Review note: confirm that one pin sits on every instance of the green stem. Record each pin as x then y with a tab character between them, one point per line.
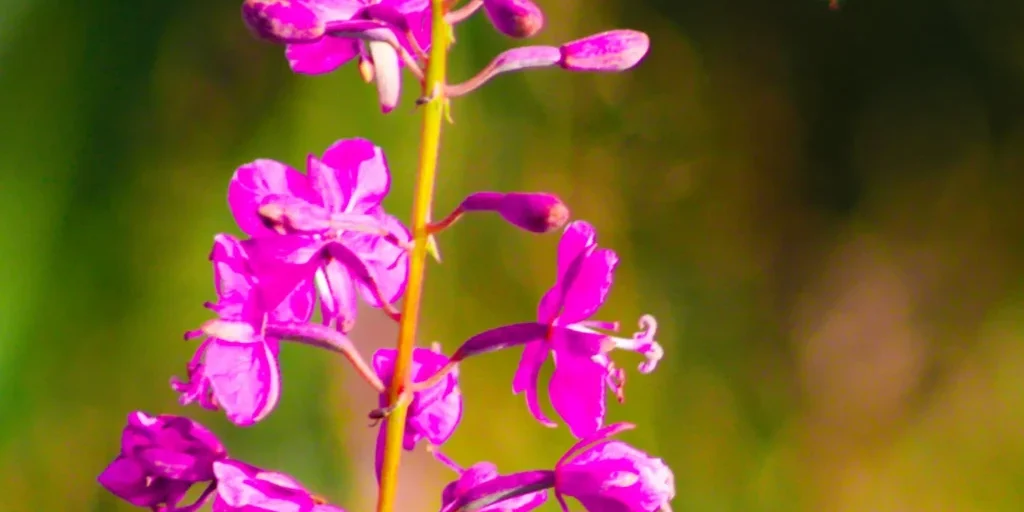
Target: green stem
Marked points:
430	139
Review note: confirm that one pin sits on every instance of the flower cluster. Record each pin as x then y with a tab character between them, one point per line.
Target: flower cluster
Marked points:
323	238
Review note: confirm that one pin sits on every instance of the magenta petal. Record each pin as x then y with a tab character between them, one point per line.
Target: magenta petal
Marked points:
577	393
253	182
578	239
341	307
332	10
613	475
244	488
589	288
126	479
320	57
361	173
245	379
550	304
297	307
527	376
388	264
232	277
284	265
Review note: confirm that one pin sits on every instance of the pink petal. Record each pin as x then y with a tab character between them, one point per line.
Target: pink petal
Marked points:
361	174
388	74
232	276
254	181
579	238
245	379
297	307
320	57
341	306
387	263
588	290
577	393
335	10
284	266
526	377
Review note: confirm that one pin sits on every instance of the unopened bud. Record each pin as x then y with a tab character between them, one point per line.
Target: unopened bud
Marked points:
515	18
536	212
282	21
616	50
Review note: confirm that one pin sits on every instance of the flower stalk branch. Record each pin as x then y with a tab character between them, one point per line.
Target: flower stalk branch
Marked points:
430	139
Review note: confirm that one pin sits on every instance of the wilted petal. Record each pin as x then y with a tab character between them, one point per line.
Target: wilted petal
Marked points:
253	182
615	50
577	393
245	379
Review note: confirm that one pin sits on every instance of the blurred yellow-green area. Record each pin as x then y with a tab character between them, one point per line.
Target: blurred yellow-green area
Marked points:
823	208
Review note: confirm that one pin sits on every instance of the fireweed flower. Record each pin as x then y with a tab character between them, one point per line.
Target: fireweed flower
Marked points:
612	51
582	366
161	458
245	488
331	216
602	474
322	35
235	368
434	412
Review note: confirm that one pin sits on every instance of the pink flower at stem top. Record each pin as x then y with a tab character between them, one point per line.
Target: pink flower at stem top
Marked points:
563	330
331	216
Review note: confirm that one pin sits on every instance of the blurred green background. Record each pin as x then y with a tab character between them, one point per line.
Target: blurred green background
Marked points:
823	209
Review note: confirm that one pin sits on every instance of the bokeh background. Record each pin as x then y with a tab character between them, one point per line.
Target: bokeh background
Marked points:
822	207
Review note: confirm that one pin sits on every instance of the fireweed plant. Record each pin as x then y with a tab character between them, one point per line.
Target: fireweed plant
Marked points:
323	238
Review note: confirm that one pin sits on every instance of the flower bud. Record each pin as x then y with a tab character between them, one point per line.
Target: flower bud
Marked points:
515	18
536	212
615	50
282	21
